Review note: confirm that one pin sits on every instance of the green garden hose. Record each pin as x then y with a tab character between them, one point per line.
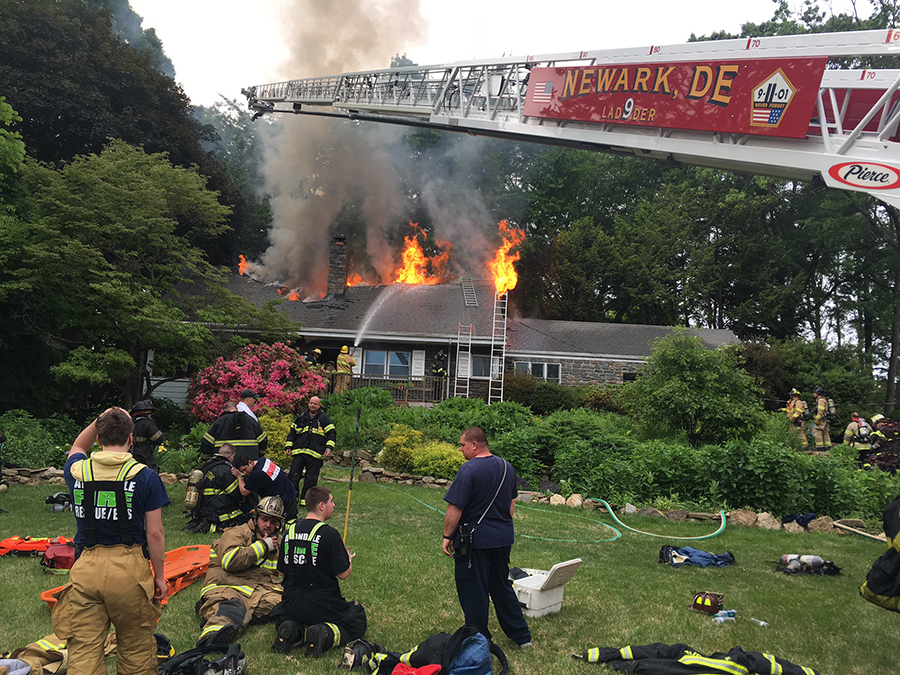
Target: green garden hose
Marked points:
609	509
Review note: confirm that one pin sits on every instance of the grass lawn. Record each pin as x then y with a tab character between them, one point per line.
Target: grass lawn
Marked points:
621	595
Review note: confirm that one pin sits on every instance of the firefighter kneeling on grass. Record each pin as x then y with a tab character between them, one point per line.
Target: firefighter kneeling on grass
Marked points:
313	559
243	583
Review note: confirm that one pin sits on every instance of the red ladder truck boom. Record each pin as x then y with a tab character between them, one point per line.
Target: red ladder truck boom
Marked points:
779	106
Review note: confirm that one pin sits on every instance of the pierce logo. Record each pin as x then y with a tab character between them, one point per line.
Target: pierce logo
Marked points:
866	175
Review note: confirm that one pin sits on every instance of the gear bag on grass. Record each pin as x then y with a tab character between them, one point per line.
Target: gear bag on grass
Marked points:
466	652
59	558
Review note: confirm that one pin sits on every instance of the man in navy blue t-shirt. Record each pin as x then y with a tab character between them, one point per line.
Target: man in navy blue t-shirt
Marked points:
117	504
484	490
265	478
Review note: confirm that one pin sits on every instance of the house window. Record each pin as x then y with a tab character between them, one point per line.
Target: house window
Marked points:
542	371
481	366
392	364
629	377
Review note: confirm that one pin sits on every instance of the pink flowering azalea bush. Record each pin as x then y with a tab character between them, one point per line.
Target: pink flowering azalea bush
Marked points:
282	378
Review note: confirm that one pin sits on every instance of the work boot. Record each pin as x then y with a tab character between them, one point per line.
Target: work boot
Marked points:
289	634
357	653
224	636
319	639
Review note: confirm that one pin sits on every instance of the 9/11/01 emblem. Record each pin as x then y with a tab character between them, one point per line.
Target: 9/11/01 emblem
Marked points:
770	100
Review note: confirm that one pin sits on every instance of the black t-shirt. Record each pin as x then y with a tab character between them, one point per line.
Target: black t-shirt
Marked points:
313	563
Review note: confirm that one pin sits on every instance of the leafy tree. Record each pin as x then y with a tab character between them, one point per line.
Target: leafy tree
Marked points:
282	378
103	267
12	149
687	389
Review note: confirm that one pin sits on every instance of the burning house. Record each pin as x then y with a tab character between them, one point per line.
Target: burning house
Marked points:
397	331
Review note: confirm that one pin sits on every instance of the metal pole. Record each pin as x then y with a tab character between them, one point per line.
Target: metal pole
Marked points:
352	467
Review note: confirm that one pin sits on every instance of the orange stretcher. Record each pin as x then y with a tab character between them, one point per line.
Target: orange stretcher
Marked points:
183	566
24	546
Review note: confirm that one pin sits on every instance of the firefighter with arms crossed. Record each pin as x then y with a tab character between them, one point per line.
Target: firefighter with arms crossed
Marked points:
117	504
243	583
309	442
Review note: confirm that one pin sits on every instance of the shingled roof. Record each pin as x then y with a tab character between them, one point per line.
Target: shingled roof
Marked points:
419	313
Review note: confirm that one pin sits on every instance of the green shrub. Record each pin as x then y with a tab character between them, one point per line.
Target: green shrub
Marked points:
518	387
549	397
192	439
437	459
529	449
178	459
172	420
369	398
29	444
398	448
606	398
277	425
63	430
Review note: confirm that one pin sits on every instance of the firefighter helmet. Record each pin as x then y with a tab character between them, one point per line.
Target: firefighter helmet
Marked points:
345	349
143	406
270	506
794	392
318	352
877	418
819	391
707	602
164	648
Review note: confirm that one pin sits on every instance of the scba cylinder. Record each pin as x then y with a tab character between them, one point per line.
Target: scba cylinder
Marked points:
192	498
798	563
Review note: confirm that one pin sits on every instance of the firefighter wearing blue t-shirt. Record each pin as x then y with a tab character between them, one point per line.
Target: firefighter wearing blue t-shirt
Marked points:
117	504
483	496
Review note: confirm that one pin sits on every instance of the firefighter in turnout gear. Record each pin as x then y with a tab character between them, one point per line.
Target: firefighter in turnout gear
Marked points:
857	433
243	583
221	501
796	414
313	559
147	436
310	442
345	366
117	504
238	428
822	429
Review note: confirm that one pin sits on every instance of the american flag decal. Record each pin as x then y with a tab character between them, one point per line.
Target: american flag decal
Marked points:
767	116
543	92
770	100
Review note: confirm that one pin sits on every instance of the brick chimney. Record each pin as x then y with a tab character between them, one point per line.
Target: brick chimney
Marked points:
337	267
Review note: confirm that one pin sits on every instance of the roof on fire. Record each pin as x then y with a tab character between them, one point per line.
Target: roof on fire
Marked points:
433	314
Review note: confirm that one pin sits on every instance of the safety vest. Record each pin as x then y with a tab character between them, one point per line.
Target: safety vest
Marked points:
298	554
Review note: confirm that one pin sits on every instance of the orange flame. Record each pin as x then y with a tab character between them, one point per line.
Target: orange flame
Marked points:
243	265
294	295
414	269
502	269
354	279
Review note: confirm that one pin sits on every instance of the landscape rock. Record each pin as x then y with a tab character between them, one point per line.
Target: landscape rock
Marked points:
575	501
767	522
823	524
677	514
794	527
557	500
655	513
367	477
57	480
363	455
168	478
629	509
741	518
696	515
51	473
589	505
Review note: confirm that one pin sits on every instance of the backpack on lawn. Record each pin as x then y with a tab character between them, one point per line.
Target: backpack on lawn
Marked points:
195	662
59	558
466	652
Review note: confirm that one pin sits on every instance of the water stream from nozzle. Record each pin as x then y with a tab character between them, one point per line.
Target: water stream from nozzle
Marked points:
388	292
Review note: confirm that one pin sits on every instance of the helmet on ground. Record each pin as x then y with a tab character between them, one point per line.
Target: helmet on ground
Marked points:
794	392
877	418
143	406
707	602
345	349
164	648
270	506
819	391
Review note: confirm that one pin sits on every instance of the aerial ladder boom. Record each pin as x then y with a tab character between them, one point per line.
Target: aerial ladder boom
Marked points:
777	106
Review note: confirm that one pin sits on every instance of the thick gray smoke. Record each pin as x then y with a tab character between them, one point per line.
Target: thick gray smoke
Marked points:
317	168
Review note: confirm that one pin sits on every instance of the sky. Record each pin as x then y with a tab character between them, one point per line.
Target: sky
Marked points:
220	46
